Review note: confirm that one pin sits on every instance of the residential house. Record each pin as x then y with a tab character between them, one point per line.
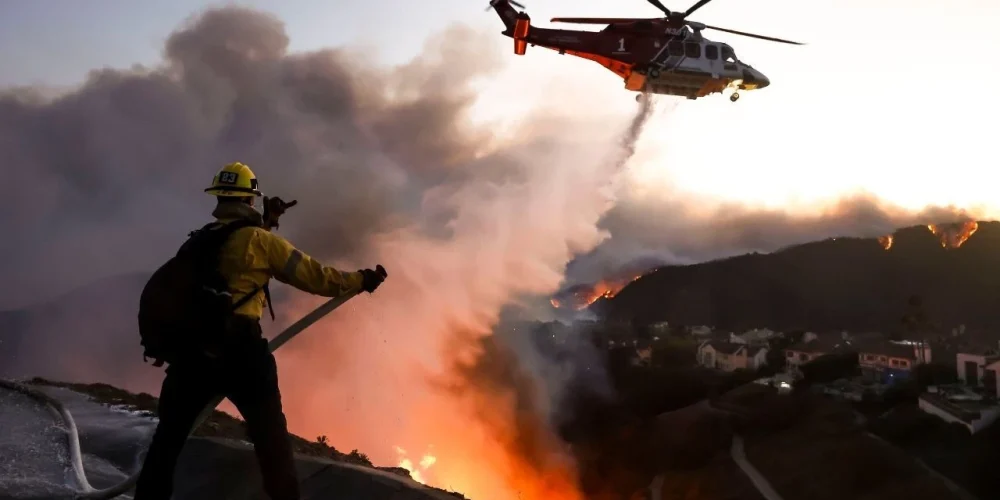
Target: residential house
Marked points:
971	403
980	370
643	354
729	356
960	405
661	328
753	337
756	356
700	331
813	346
886	361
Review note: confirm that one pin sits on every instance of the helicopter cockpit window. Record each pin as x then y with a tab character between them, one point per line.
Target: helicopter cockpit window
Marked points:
692	49
675	48
711	52
728	55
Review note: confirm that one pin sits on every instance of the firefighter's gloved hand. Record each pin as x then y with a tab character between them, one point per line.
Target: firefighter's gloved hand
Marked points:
274	208
371	279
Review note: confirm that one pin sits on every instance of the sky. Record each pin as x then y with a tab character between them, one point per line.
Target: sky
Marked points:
58	43
875	101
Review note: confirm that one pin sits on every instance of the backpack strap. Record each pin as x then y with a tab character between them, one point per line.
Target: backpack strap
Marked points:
229	229
267	297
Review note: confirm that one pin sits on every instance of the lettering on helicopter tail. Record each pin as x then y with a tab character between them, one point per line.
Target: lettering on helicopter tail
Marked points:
564	39
621	47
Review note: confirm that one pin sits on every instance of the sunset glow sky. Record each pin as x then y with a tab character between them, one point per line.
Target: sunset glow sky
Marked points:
891	97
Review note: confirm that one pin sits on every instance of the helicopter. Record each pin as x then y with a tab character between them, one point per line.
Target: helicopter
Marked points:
666	55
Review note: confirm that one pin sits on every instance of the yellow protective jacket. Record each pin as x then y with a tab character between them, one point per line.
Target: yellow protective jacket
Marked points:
253	255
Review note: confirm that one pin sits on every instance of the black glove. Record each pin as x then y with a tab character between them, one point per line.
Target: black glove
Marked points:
372	279
273	208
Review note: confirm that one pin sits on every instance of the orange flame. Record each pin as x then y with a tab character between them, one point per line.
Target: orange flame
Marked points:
602	289
885	241
953	235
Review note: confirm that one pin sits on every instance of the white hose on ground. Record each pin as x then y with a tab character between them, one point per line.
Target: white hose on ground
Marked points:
76	460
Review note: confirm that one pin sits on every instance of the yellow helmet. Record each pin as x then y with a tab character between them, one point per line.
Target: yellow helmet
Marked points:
235	180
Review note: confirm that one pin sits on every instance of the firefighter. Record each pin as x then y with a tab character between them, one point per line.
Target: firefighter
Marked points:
244	369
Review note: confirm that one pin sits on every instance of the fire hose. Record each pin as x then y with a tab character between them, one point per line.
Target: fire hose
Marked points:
73	436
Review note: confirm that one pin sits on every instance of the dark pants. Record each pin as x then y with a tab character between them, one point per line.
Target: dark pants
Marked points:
248	376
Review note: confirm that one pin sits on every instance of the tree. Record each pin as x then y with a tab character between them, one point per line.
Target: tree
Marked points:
934	374
776	348
914	322
829	367
358	458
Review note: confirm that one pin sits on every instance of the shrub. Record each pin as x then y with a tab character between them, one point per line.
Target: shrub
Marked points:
356	457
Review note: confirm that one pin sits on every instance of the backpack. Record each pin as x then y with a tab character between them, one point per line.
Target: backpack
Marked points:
186	304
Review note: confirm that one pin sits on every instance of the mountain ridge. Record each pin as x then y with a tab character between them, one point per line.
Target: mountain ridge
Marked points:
839	283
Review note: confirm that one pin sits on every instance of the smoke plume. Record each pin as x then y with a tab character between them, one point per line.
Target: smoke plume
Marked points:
387	169
679	228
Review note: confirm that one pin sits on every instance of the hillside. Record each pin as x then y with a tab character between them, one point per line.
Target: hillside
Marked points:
839	283
216	463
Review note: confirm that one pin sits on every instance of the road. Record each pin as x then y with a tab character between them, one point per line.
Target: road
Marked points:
764	487
736	451
959	492
758	480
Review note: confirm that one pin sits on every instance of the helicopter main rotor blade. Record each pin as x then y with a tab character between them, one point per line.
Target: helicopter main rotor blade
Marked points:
601	20
700	4
659	5
752	35
512	2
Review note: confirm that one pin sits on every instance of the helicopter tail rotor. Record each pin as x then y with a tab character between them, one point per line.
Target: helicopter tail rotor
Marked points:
493	3
518	23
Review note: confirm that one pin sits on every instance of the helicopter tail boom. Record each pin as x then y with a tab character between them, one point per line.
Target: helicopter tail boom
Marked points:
508	14
518	24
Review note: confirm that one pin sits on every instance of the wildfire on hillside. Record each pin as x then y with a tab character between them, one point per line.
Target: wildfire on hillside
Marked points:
885	241
953	235
580	296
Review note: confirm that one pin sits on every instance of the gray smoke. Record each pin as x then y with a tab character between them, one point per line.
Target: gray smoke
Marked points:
581	358
108	178
384	164
650	232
